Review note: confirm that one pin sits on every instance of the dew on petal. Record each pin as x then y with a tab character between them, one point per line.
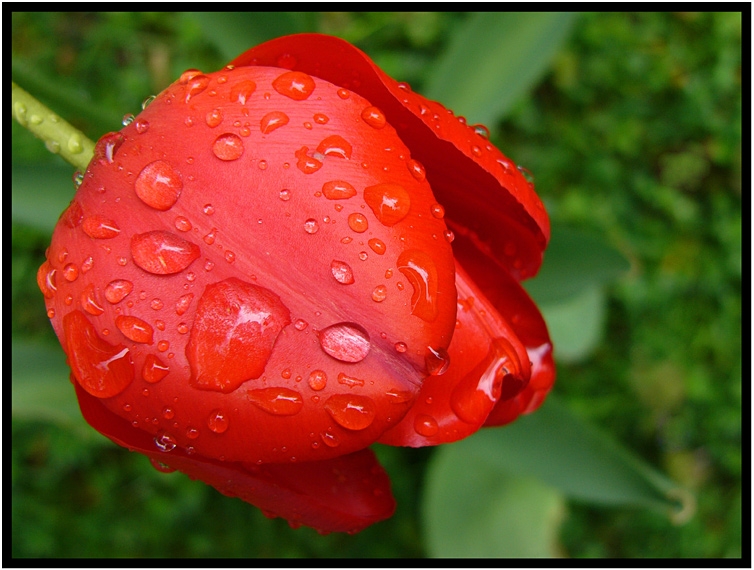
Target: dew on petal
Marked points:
117	290
389	202
349	381
99	227
70	272
437	361
273	120
154	369
338	190
377	246
165	442
317	380
373	117
89	301
311	226
158	185
162	253
351	411
228	147
217	421
214	117
425	425
347	342
277	401
306	163
182	305
294	84
342	272
335	146
358	222
417	170
421	272
135	329
379	293
242	91
182	224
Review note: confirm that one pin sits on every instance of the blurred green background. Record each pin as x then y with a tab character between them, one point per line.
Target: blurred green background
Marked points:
631	124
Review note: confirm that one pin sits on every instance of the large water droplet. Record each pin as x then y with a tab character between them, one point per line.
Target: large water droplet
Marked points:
335	146
117	290
228	147
154	370
163	253
277	401
421	272
273	120
99	227
347	342
217	421
234	330
102	369
135	329
294	84
242	91
437	361
358	222
389	202
351	411
158	185
341	271
338	190
373	117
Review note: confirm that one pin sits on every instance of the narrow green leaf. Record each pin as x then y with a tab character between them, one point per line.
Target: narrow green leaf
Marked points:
576	323
473	509
560	450
494	59
235	32
40	193
574	262
41	389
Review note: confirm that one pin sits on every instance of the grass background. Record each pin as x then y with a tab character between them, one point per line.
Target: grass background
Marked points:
633	133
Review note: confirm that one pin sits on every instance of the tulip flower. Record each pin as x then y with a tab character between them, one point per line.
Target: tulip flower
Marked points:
278	264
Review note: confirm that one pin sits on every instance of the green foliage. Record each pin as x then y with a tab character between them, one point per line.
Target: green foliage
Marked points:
634	135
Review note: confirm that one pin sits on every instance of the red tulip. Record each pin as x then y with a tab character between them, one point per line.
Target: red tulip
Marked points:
255	281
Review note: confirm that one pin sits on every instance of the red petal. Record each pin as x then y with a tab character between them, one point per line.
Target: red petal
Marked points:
483	189
345	494
486	358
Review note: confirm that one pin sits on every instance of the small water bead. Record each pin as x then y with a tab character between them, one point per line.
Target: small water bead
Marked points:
449	236
346	240
273	120
209	239
425	425
285	373
294	84
379	293
377	246
89	301
162	253
262	165
182	224
417	170
389	202
342	272
358	222
343	93
388	273
208	209
351	411
168	413
373	117
300	324
163	345
317	380
349	381
154	370
52	146
311	226
347	342
209	265
321	119
437	211
142	126
165	442
330	439
214	118
228	147
182	305
338	190
156	304
285	194
192	432
230	257
50	313
527	174
127	119
160	325
437	361
182	328
117	290
70	272
99	227
476	151
306	163
196	85
400	347
217	421
135	329
242	91
277	401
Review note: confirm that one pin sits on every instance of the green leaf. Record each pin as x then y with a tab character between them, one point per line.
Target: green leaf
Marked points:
494	59
575	261
576	323
561	450
473	509
41	389
235	32
40	193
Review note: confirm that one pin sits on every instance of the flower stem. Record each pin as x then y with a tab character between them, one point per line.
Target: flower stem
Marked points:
60	136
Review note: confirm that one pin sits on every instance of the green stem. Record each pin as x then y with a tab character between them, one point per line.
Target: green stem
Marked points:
60	136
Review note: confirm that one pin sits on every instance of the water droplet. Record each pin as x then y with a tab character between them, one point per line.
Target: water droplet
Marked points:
341	271
242	91
317	380
50	313
230	256
347	342
78	179
20	110
209	265
182	305
158	185
358	222
162	253
196	85
228	147
145	103
421	272
142	126
209	239
214	118
182	224
182	328
379	293
285	194
156	304
87	264
416	170
89	301
99	227
437	211
165	442
107	147
102	369
373	117
449	236
273	120
401	347
351	411
436	361
294	84
160	466
153	370
389	202
306	163
241	322
527	174
52	146
192	432
330	439
425	425
338	190
127	119
311	226
168	413
476	151
217	421
335	146
321	118
163	345
300	324
117	290
135	329
277	401
70	272
349	381
482	131
208	209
